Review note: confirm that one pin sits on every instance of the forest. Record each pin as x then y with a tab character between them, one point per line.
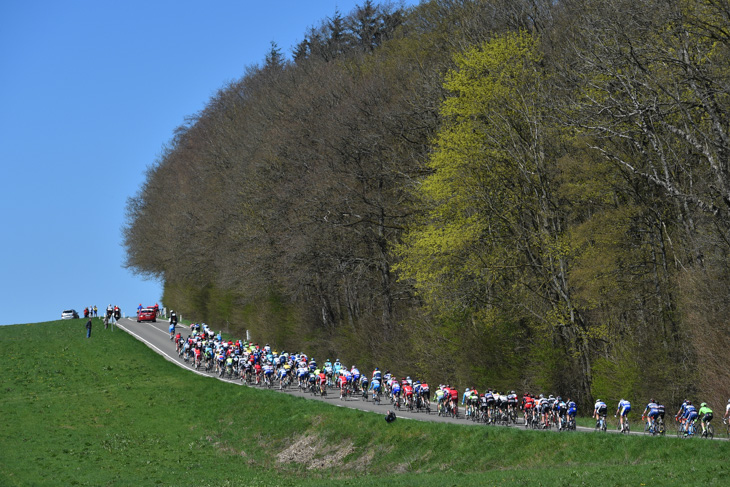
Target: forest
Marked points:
514	194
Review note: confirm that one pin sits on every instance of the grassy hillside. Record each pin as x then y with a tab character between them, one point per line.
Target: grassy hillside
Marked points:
109	411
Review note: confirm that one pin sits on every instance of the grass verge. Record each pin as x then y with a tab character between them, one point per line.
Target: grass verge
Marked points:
108	411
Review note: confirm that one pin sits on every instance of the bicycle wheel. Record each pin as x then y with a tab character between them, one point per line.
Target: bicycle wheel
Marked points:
710	431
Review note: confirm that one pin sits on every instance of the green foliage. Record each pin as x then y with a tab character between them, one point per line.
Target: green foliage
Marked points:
547	190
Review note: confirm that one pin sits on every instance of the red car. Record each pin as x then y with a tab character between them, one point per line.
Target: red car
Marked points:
147	314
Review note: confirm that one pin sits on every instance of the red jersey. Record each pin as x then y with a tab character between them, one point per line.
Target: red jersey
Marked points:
408	390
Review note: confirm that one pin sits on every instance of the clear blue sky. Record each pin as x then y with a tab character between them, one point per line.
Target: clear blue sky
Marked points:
90	91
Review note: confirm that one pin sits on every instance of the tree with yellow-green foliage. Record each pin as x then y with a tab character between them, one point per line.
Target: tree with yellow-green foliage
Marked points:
492	247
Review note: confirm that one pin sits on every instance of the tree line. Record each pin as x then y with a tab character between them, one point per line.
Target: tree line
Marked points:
507	193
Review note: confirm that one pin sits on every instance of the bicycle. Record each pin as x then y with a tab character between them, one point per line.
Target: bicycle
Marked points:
601	424
649	428
680	428
709	432
691	430
626	428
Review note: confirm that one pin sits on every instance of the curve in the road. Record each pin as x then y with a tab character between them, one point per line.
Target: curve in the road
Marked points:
157	337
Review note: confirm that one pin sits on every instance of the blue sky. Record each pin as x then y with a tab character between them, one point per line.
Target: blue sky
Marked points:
90	91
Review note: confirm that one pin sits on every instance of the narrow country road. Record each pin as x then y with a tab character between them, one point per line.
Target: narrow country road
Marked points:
157	337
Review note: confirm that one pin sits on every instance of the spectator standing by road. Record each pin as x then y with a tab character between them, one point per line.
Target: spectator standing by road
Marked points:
88	328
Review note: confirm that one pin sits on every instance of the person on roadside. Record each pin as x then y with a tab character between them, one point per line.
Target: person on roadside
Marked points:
88	328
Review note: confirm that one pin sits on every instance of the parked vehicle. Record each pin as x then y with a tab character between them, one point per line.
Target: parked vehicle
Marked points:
69	314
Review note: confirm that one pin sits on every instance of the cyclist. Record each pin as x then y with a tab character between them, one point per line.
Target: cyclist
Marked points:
282	373
302	374
440	398
571	410
544	404
651	411
465	399
706	413
395	392
377	375
408	394
454	400
342	383
489	397
624	406
322	382
512	405
528	403
471	399
355	377
690	416
681	414
600	410
375	387
364	384
425	393
562	410
197	357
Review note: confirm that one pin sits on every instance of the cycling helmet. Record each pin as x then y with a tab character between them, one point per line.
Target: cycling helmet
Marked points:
467	390
598	400
689	403
550	397
408	378
512	392
652	400
560	398
377	368
703	404
542	396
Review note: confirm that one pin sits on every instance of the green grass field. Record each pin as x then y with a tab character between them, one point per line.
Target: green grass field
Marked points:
109	411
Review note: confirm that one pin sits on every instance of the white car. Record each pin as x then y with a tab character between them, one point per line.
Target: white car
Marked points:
69	314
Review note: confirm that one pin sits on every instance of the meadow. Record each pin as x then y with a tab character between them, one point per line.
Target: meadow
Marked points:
109	411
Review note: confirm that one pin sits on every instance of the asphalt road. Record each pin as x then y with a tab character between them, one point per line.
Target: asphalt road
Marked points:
157	337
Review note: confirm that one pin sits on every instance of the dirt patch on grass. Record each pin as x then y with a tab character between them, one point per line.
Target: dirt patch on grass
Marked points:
312	452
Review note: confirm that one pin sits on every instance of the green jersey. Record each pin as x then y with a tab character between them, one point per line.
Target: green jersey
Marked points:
705	410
